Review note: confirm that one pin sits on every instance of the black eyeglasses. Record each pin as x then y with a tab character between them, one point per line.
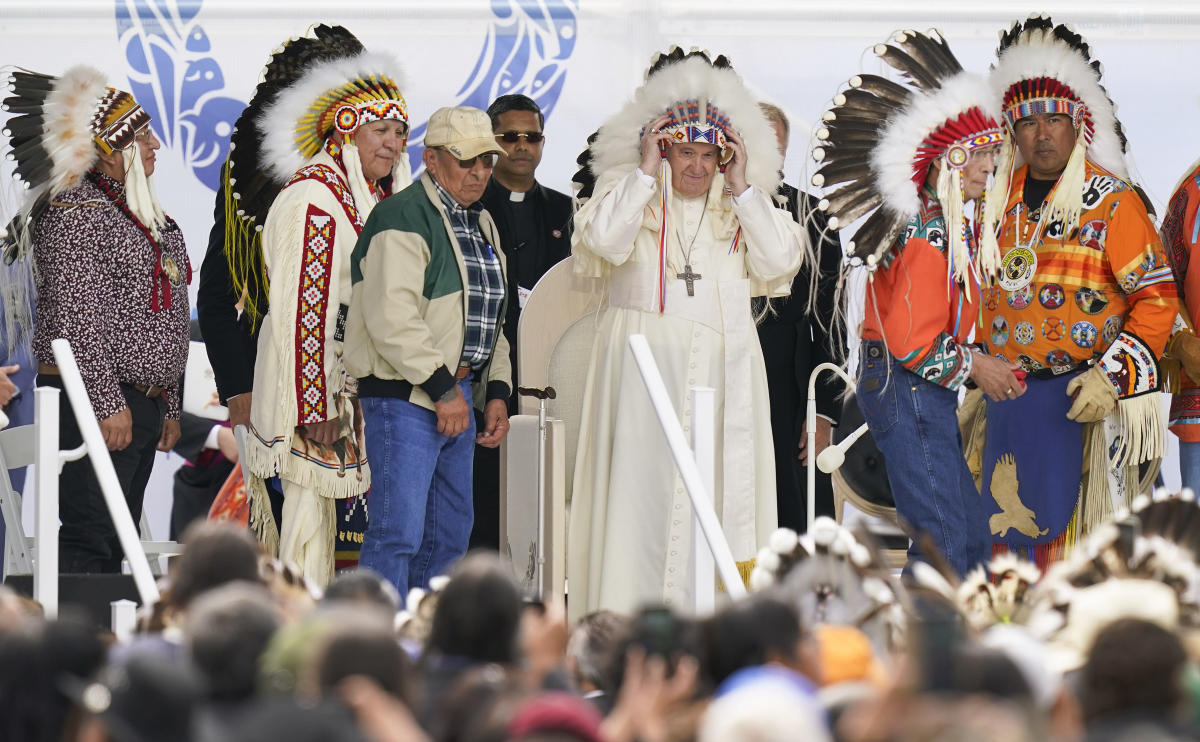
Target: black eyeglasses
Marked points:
487	158
512	137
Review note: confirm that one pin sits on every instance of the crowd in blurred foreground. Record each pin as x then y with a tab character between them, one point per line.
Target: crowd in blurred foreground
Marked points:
831	645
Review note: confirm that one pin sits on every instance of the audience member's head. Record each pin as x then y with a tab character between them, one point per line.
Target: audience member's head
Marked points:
286	719
216	553
360	643
35	660
756	631
764	704
590	648
478	614
478	706
1134	666
227	630
365	587
555	717
145	699
16	610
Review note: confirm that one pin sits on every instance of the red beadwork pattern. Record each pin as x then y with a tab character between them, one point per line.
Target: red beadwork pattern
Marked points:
311	311
972	128
334	182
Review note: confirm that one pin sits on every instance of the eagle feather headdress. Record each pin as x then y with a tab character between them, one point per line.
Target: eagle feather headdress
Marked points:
878	141
311	86
719	94
1046	68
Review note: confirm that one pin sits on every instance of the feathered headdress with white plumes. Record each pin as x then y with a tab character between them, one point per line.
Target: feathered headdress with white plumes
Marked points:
676	79
59	125
1046	68
1001	594
880	138
1141	565
338	94
311	85
414	621
833	577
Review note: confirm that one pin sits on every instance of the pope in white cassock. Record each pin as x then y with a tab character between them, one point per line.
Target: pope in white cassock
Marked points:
682	231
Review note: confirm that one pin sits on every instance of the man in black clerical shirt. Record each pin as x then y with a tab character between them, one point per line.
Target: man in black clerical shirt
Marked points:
794	342
535	233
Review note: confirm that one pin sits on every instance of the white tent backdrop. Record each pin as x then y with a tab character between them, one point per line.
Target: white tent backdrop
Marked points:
195	62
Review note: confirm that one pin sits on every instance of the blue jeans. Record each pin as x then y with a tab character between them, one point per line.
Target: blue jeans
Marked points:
419	511
1189	465
915	425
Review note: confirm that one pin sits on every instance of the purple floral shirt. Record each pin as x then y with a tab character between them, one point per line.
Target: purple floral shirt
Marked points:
95	271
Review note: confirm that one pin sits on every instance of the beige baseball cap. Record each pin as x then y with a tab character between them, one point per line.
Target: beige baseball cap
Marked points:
462	131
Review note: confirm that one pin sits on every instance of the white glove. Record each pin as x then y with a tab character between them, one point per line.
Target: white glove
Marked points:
1095	396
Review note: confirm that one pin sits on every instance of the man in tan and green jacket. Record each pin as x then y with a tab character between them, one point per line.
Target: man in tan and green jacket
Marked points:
424	334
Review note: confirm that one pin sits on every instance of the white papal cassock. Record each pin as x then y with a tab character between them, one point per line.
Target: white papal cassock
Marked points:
630	521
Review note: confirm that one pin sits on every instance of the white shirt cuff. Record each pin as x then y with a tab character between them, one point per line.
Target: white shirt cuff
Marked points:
746	196
211	440
647	180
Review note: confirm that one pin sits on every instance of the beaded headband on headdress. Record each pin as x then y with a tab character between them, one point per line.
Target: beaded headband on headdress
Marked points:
956	139
117	120
347	107
1044	95
686	125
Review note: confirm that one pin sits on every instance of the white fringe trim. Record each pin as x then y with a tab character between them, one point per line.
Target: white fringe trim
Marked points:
278	460
262	519
1095	502
1143	430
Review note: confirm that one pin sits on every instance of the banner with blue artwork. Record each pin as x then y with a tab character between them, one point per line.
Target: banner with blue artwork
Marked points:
193	63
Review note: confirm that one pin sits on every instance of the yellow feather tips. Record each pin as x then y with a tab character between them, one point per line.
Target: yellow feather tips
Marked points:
373	98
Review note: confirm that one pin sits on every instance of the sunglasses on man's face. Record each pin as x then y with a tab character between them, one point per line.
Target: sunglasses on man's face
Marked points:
512	137
487	158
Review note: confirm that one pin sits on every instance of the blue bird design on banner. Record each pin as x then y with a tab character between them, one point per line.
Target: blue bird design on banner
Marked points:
174	76
526	51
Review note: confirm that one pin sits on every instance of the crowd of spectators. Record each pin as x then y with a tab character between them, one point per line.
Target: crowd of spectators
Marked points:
242	649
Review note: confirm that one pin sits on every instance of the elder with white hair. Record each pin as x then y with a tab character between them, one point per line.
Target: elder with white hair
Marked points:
682	232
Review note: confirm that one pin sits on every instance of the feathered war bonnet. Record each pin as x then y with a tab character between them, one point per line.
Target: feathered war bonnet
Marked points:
1047	68
59	125
312	86
704	98
880	138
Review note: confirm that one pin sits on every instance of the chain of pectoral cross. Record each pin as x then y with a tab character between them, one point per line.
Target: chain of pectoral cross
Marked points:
689	276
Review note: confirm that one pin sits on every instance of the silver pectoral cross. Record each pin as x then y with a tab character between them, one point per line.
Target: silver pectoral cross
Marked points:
690	278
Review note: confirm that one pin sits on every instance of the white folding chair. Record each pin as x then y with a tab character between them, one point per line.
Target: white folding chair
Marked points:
16	452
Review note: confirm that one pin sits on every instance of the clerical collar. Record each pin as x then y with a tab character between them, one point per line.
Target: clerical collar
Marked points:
516	196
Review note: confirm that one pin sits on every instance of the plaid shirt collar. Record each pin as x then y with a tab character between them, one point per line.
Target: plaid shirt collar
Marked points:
452	205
